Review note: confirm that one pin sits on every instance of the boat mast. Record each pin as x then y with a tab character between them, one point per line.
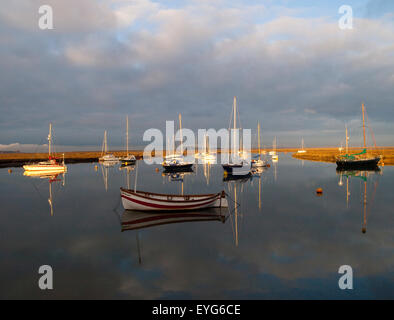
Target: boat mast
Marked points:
274	145
105	148
127	136
362	107
49	140
180	132
258	138
235	121
347	140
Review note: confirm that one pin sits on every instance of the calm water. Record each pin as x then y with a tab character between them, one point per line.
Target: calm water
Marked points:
283	241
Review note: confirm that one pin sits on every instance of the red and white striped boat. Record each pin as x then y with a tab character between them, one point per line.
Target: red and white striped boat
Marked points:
132	220
148	201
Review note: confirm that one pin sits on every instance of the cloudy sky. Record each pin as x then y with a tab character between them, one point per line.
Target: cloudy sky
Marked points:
290	65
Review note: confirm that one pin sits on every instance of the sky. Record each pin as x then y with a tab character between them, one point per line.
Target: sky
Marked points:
289	64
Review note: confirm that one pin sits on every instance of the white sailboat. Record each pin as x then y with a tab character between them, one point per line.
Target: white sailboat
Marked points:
259	162
49	166
177	162
206	157
302	150
107	159
237	165
273	153
130	158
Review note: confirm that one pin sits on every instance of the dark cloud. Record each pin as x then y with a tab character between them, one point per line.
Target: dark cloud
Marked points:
298	76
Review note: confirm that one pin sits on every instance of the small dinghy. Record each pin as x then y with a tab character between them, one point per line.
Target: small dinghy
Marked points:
149	201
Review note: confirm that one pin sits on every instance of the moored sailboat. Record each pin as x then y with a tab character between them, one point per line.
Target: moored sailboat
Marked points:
236	165
206	157
302	150
259	162
359	160
176	162
129	158
274	155
107	159
49	166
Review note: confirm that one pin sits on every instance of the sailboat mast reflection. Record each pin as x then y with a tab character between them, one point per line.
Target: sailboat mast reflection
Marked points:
52	178
232	184
362	174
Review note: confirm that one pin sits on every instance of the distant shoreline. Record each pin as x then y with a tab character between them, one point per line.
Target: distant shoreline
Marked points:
18	159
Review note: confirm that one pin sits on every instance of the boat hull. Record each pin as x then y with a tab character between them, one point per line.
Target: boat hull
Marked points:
147	201
237	169
45	168
358	164
127	162
178	167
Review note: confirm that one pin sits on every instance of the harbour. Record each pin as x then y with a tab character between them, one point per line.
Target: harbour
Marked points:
263	247
168	152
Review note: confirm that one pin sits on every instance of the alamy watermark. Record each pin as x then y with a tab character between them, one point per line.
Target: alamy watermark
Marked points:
45	21
346	20
233	144
45	282
345	281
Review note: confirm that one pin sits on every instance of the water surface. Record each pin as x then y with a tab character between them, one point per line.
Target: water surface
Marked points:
282	241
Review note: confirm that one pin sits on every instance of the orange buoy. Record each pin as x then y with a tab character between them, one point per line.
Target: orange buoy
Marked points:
268	165
319	191
157	169
9	170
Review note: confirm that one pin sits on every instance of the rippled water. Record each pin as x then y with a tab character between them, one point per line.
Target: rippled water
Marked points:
282	241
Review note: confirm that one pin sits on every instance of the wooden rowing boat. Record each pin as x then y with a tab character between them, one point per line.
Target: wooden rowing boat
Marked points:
149	201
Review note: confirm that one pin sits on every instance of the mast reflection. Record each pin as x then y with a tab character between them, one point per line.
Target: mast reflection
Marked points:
363	175
52	178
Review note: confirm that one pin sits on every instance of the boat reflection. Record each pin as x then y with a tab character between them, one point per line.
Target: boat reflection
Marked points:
207	172
137	220
132	220
106	166
240	178
235	189
127	169
52	178
258	173
363	175
177	176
